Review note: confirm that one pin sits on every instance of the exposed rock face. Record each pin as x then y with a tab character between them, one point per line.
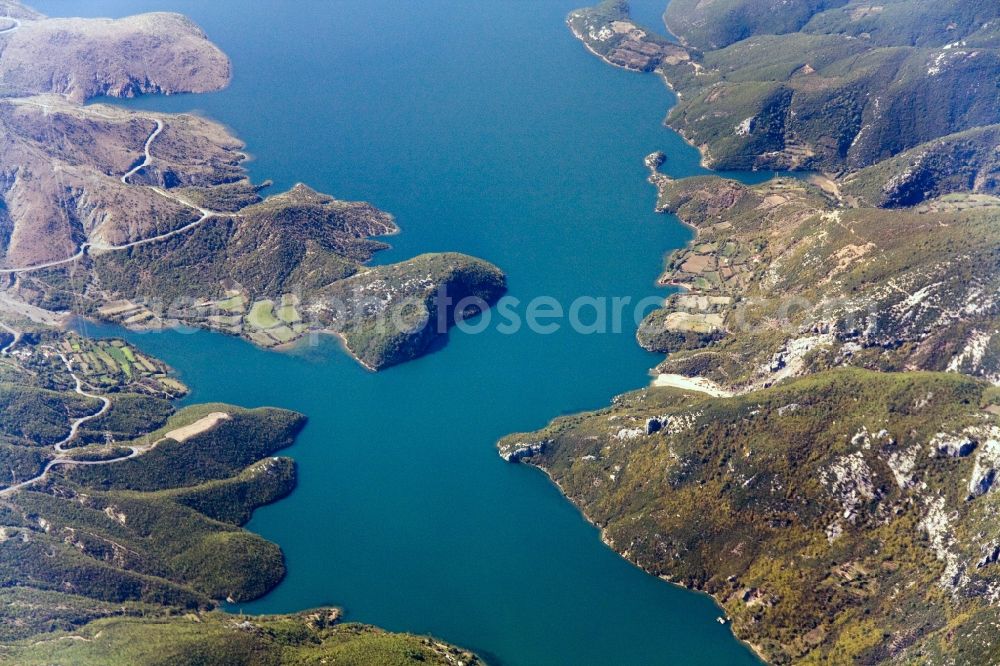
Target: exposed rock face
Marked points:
518	451
84	58
981	481
984	472
953	446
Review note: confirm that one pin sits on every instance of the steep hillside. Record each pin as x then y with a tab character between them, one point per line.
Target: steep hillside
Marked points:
965	162
801	88
841	518
716	24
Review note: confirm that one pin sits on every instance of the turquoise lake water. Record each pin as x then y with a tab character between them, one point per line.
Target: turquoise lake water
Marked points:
486	129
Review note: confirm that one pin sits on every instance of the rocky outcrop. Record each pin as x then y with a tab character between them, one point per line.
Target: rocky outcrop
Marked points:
953	446
516	451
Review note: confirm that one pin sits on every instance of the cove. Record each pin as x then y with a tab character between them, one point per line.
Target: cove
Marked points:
486	129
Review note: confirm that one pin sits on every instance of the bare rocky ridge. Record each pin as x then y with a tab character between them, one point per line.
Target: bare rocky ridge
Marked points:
61	178
84	58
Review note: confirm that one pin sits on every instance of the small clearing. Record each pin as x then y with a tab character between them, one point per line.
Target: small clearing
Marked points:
203	424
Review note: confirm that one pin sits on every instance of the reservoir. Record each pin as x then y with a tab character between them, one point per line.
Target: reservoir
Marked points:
485	128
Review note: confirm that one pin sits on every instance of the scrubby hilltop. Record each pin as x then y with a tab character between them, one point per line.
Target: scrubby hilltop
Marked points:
819	448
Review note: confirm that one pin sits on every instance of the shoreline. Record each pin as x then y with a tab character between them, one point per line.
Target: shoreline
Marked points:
698	384
602	532
705	160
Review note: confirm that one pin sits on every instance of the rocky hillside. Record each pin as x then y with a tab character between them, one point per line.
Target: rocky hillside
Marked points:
965	162
714	25
818	450
149	219
49	214
820	85
783	279
845	517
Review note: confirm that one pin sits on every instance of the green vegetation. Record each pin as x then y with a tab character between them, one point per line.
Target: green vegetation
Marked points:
123	560
819	84
302	241
226	197
129	417
262	315
225	450
828	515
214	638
713	25
391	314
135	530
37	417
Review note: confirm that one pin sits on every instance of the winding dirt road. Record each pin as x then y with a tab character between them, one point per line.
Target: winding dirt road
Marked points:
61	452
147	158
75	425
17	24
74	430
17	338
85	247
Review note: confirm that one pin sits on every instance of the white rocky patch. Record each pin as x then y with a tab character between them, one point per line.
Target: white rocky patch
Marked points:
901	464
937	524
745	128
972	354
834	530
850	479
790	361
984	472
626	434
952	445
948	55
115	514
